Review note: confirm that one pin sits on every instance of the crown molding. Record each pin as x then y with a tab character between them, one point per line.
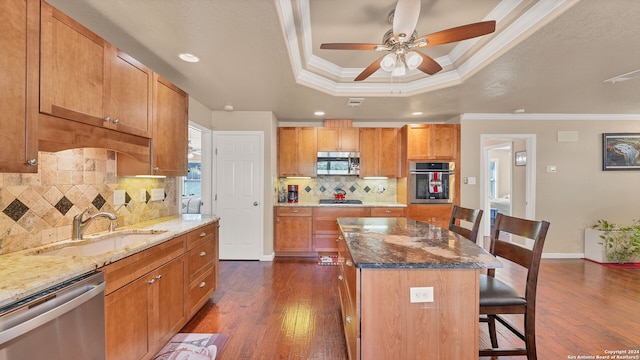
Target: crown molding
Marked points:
546	117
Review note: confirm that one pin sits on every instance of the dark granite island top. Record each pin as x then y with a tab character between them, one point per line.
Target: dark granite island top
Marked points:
404	243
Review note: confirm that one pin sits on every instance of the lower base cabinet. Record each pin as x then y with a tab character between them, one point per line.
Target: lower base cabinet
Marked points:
152	294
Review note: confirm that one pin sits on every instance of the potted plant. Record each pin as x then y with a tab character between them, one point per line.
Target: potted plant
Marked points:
621	243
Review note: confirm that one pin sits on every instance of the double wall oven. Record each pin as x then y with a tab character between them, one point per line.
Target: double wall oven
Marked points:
431	182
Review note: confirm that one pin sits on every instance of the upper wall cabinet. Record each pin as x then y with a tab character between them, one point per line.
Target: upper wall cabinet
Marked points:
86	79
297	151
19	34
338	139
379	152
432	141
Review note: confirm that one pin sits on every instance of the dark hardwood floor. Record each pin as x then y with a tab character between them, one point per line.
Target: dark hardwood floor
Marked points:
289	309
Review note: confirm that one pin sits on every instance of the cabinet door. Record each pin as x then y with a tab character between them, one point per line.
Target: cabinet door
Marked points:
127	321
369	162
170	123
444	144
389	164
419	141
307	151
293	234
72	69
129	94
169	305
19	24
349	139
328	139
287	151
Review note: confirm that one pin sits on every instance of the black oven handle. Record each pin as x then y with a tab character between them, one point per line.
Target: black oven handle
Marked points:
444	172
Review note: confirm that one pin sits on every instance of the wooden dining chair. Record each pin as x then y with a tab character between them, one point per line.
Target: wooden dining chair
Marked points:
471	215
497	298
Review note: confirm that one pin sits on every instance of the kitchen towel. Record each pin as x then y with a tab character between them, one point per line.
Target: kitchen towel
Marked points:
192	346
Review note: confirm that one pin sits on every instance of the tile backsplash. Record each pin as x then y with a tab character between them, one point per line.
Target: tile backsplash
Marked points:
37	209
324	187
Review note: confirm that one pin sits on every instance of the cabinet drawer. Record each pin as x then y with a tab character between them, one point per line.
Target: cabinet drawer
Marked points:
325	219
196	236
293	211
199	258
200	290
325	243
389	212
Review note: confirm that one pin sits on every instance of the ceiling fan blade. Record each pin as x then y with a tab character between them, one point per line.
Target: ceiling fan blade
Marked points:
369	70
405	19
459	33
428	65
348	46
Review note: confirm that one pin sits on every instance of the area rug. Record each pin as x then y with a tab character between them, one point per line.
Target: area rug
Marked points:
616	265
328	260
192	346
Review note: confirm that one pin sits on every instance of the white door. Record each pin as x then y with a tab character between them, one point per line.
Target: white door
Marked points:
239	182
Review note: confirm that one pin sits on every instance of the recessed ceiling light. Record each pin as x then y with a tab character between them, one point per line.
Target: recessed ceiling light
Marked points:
228	107
416	113
188	57
518	111
318	113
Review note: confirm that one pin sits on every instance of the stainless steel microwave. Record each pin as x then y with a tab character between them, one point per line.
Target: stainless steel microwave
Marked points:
338	163
431	182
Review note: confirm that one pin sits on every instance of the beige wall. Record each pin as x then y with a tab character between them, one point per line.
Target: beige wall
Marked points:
266	122
579	193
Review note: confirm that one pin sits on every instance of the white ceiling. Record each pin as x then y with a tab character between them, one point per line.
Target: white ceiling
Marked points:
547	56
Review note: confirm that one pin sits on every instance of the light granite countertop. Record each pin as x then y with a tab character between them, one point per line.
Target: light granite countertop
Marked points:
402	243
364	204
26	272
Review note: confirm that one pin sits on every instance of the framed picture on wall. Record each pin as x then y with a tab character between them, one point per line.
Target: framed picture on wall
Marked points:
521	158
620	151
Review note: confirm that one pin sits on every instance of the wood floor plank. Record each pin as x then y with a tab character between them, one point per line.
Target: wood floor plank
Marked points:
289	309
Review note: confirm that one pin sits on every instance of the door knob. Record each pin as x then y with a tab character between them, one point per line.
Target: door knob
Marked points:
255	203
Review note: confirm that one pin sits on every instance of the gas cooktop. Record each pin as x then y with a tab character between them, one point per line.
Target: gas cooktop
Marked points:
340	202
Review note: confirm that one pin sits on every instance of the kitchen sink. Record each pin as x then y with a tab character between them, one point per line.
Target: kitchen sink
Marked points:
340	202
98	244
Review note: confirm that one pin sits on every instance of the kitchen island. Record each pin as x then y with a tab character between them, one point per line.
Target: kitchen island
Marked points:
409	290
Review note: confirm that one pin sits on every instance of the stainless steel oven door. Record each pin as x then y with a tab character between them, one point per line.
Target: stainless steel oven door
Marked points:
431	187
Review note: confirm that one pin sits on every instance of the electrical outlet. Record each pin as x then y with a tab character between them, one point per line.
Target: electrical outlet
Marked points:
157	194
118	197
421	294
143	195
381	188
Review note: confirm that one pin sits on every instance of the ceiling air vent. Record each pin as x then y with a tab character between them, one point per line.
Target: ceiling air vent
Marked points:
353	102
624	77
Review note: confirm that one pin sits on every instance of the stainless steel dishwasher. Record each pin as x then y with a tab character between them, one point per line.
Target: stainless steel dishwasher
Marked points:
63	322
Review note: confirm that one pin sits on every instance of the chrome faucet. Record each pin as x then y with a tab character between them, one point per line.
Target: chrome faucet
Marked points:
80	225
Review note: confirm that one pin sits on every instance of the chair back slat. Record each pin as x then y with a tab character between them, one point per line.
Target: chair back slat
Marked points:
470	215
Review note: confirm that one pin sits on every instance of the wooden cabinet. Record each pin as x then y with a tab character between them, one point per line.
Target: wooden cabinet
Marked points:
388	212
376	312
432	141
293	230
338	139
379	152
202	266
170	134
297	151
145	300
19	41
439	214
86	79
325	225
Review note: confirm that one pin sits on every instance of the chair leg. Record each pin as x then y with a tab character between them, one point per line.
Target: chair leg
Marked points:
491	321
530	336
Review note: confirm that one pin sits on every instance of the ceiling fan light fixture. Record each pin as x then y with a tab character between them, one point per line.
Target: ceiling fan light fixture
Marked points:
399	70
413	60
388	62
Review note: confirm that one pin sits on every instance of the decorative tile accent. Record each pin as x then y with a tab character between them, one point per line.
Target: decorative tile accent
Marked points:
127	198
148	197
98	202
16	210
367	189
322	188
352	188
63	205
307	189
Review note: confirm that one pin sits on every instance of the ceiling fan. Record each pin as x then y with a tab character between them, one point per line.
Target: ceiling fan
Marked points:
402	39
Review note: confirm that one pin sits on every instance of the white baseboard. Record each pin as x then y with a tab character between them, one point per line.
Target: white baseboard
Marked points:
268	257
562	255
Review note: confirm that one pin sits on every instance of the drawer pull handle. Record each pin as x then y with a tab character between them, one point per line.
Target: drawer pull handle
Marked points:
202	284
340	277
349	263
203	234
388	211
340	238
294	211
348	318
202	253
151	281
159	277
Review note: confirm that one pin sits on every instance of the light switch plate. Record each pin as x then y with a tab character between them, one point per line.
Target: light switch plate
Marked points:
143	195
118	197
157	194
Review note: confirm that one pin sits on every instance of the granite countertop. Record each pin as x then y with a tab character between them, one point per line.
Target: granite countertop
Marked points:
405	243
364	204
26	272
